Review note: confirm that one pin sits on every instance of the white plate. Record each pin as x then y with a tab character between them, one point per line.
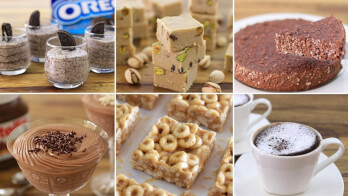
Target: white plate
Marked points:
327	182
338	85
147	118
243	146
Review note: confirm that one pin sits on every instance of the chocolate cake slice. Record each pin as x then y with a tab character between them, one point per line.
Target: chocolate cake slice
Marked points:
323	40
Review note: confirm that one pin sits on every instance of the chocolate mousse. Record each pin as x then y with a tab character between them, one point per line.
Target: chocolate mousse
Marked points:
67	65
323	40
14	51
58	158
38	34
100	109
259	65
101	48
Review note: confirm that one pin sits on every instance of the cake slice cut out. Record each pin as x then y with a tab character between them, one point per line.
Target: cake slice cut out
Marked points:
322	40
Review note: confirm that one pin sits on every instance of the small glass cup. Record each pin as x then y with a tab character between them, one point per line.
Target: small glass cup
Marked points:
38	37
66	67
101	50
64	181
15	53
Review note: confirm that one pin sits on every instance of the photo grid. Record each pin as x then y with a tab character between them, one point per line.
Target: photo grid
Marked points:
173	97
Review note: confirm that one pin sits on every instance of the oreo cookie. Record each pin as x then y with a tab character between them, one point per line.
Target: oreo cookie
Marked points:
100	19
6	32
34	20
66	39
98	29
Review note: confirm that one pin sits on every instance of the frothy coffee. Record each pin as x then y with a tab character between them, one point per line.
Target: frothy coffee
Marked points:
287	139
240	99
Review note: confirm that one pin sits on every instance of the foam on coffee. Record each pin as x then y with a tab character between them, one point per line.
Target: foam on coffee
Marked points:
287	139
240	99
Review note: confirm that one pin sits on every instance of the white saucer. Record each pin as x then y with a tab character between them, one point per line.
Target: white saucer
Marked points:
327	182
339	84
243	145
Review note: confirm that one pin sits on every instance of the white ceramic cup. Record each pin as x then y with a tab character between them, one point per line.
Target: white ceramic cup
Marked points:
242	113
289	175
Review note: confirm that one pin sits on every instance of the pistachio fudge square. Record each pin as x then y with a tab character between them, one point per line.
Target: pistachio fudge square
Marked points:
229	58
124	16
126	117
126	186
178	32
223	185
173	151
204	6
209	110
146	101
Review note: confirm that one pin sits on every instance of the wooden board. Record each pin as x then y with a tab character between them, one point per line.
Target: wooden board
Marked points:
17	12
218	58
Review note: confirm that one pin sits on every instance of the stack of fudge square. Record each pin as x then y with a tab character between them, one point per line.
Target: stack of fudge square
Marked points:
205	11
124	32
140	21
179	49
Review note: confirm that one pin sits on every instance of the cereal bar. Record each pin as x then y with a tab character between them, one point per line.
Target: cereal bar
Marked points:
223	185
126	116
127	186
209	110
176	152
146	101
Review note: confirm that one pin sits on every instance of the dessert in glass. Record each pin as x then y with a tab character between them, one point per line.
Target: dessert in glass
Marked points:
100	109
58	155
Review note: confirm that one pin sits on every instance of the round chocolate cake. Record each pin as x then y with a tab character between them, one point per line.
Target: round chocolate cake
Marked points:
259	65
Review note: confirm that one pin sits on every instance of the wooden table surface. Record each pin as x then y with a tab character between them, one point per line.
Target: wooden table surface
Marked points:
326	113
17	12
218	58
45	106
245	8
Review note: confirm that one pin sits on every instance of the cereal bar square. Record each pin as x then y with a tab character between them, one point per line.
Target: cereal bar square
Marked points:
127	186
209	110
126	117
223	185
176	152
147	101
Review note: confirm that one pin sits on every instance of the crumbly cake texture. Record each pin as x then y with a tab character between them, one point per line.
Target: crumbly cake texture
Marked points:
126	186
176	152
126	117
259	65
323	40
209	110
223	185
147	101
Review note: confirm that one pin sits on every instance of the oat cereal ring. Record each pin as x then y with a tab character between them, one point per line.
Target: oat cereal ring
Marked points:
121	182
211	114
177	157
147	188
198	142
180	103
196	101
153	155
215	106
159	192
134	190
220	179
169	143
158	147
180	166
181	131
164	157
197	109
137	155
192	159
193	128
169	121
122	110
146	145
188	141
227	170
210	98
163	129
208	137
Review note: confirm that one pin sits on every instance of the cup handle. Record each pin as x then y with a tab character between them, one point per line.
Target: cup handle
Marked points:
332	158
264	115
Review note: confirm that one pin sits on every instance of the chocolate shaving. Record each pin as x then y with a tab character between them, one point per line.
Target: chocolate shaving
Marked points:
6	32
98	30
66	39
57	143
34	20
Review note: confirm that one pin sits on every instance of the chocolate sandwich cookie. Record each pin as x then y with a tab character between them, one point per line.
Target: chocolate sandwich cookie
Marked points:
259	65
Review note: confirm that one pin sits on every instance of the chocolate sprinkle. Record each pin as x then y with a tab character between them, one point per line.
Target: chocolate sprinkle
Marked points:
6	32
57	142
98	29
66	39
34	19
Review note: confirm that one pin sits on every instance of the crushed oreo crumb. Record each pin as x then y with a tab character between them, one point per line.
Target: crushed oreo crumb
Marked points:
57	142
